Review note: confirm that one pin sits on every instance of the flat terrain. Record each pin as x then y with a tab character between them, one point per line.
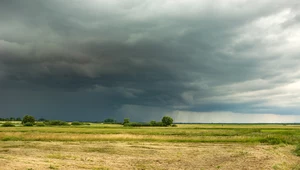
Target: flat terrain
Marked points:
201	146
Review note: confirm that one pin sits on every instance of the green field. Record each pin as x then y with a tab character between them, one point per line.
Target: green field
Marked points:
270	134
135	147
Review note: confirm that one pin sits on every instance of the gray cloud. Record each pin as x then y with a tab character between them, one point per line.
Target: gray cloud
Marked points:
108	58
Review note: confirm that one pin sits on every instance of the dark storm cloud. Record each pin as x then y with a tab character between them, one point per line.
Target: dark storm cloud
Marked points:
113	57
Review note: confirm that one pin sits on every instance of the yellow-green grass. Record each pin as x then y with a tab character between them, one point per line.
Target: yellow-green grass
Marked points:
271	134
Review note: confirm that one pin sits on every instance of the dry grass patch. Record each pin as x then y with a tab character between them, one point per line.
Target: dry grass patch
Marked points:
145	155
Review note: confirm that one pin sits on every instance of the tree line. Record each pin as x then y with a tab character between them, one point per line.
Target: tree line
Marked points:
165	121
17	119
11	119
29	120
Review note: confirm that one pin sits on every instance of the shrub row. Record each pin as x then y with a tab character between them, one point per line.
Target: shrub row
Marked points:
46	123
140	124
56	123
76	123
8	124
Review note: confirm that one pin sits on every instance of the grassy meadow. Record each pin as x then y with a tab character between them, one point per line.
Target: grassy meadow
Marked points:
187	146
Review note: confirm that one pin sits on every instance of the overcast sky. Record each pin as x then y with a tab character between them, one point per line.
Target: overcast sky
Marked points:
194	60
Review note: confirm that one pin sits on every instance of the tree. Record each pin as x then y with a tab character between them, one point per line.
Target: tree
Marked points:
126	120
109	120
166	120
152	123
42	119
28	118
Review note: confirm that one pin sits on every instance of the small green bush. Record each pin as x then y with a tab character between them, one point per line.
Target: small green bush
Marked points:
272	141
40	124
8	124
76	123
297	150
56	123
28	124
154	123
136	124
173	125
